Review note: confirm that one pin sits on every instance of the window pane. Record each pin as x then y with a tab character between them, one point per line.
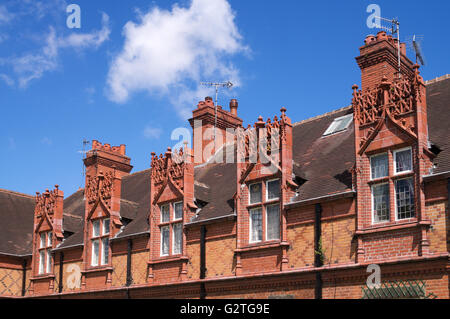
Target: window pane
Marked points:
178	210
96	228
403	161
41	261
165	214
106	225
379	166
339	124
273	222
49	261
49	239
42	241
256	225
105	251
255	193
177	238
380	195
165	233
404	192
273	189
95	248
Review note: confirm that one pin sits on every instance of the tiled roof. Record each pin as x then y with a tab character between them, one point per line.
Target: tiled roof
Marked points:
438	102
16	226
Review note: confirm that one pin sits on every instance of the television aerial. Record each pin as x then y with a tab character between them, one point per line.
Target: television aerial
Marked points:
217	85
417	46
394	29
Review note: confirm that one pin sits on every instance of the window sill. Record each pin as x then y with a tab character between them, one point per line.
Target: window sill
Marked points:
97	269
263	245
403	175
390	226
169	259
43	276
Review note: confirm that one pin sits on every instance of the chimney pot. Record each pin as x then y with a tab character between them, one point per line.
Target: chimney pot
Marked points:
233	106
381	36
369	39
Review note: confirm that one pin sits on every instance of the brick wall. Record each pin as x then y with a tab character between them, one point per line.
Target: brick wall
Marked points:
300	235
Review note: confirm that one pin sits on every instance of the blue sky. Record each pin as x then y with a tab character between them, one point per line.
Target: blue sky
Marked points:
133	85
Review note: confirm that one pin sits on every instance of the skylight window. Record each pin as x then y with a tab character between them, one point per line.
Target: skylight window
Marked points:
339	124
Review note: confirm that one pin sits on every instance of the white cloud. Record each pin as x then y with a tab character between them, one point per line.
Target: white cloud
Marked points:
33	65
152	132
6	79
88	40
172	51
5	15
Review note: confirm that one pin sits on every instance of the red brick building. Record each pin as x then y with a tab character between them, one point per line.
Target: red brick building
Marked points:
302	215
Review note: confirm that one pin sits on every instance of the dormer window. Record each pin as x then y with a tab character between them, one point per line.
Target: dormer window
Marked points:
386	182
264	212
100	242
339	124
171	229
45	252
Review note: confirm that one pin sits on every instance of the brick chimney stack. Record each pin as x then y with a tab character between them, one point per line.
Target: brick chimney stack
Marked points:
379	58
105	167
202	122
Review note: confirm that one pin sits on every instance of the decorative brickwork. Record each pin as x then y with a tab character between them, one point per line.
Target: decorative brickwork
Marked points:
172	183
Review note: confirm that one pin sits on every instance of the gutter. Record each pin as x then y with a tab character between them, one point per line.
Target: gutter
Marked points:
211	220
321	199
14	255
434	177
131	236
64	248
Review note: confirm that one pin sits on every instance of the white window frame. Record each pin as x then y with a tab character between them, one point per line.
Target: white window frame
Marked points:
173	238
161	242
103	233
251	225
373	205
267	219
376	155
93	252
267	190
161	213
395	200
42	258
45	247
182	213
395	161
250	194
